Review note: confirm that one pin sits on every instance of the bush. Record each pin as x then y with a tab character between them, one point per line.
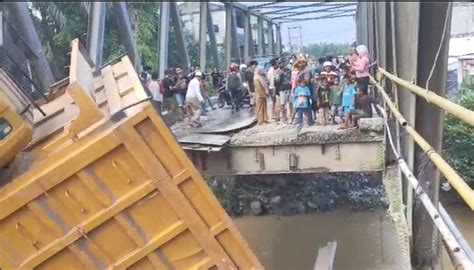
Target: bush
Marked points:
459	138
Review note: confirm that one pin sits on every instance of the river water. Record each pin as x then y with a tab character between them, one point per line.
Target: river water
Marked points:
365	240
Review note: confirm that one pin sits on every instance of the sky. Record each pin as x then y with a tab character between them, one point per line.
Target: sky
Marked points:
336	30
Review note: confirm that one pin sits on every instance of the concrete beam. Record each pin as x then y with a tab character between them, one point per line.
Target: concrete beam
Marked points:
212	38
286	159
126	33
163	39
95	32
202	33
27	29
178	32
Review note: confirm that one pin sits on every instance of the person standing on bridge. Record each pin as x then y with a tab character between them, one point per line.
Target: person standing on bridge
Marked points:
234	85
361	67
194	100
261	89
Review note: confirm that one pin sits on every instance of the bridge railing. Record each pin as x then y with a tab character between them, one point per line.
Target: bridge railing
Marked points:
459	251
466	193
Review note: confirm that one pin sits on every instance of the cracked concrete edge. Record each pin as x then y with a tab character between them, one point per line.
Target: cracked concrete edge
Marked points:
396	211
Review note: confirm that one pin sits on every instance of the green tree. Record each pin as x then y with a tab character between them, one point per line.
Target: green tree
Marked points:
323	49
459	138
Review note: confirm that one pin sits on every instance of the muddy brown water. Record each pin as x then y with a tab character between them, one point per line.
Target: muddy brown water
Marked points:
365	240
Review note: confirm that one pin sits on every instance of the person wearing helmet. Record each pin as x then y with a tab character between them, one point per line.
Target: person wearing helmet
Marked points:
234	85
328	72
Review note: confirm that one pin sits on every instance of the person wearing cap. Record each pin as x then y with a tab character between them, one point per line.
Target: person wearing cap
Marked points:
194	100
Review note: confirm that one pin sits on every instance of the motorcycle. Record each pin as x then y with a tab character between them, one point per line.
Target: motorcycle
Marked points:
223	96
245	95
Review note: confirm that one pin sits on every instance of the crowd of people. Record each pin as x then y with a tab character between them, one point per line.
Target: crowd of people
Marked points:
323	91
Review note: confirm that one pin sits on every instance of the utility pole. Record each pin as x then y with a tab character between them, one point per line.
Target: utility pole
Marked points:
299	38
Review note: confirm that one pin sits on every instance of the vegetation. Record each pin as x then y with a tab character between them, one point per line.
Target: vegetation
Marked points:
324	49
58	23
459	138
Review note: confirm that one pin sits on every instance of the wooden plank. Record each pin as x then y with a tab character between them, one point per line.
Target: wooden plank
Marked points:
111	90
325	259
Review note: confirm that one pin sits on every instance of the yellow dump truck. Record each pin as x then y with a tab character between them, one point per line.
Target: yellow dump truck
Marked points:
102	183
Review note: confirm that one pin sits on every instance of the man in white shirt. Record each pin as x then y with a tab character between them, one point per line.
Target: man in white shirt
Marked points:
194	100
271	86
154	87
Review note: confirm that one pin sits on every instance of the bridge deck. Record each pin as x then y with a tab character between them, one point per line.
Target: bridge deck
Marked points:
231	143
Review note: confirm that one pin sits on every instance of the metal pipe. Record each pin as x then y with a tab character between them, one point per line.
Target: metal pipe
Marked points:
460	112
451	242
457	234
453	178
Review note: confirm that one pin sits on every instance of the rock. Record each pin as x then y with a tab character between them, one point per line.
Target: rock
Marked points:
256	208
276	200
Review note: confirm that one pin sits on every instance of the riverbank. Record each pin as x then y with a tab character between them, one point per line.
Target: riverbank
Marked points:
298	193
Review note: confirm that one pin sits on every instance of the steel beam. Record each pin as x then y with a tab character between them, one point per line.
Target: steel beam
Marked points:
329	9
163	39
261	38
433	43
228	33
202	34
292	8
271	47
27	29
330	16
235	43
248	43
212	38
95	32
178	32
278	39
126	33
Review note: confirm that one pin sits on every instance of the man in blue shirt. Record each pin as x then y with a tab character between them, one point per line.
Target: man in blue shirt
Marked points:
302	103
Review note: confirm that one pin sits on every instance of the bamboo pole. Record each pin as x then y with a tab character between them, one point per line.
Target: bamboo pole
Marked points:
453	178
459	111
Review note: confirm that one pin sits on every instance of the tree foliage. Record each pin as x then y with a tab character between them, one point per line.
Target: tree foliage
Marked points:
459	138
58	23
324	49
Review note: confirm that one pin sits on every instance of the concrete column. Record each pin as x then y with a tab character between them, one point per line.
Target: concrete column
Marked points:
228	33
202	34
248	44
212	38
429	123
178	32
95	32
278	39
260	39
271	47
126	33
163	39
27	29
